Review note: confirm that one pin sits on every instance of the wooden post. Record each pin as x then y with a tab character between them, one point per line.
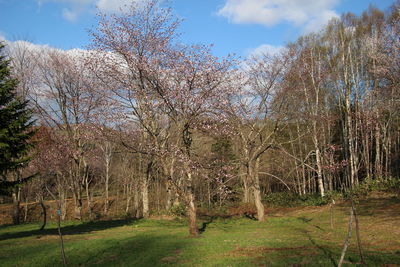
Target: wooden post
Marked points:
59	226
357	232
60	234
331	213
347	241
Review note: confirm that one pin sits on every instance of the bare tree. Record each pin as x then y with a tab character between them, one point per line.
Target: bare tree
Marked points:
255	114
66	100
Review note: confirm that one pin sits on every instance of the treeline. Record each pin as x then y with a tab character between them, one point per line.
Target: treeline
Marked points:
160	124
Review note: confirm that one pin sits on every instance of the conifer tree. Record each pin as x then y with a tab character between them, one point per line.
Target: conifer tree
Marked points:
15	129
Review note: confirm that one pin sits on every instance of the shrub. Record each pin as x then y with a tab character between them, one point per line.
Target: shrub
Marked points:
178	210
289	199
374	185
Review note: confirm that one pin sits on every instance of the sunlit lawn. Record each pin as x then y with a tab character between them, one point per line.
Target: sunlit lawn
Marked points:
290	237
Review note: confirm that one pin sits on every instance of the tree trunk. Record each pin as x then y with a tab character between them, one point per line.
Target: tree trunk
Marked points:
76	194
190	205
246	191
171	189
136	203
318	159
63	200
145	198
366	154
352	148
107	181
319	172
88	196
191	209
128	195
145	189
246	186
106	200
107	150
78	208
16	206
257	192
63	204
303	168
259	204
26	208
128	202
378	163
168	203
41	202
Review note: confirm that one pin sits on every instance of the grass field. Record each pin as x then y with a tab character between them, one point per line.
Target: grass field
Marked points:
289	237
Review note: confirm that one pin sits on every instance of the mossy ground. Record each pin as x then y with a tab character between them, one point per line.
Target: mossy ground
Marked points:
289	237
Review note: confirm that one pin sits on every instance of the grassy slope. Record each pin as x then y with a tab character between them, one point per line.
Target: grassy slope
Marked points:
290	237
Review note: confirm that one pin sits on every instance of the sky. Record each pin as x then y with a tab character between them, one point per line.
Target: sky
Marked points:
240	27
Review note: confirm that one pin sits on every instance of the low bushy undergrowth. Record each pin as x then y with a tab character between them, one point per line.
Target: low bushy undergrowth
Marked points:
289	199
178	210
375	185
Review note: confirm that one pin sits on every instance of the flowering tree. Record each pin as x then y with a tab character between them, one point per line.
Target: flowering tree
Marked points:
165	88
54	150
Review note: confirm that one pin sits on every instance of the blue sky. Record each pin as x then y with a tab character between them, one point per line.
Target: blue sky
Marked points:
233	26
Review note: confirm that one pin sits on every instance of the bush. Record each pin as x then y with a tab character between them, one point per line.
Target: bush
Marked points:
334	195
289	199
178	210
313	200
374	185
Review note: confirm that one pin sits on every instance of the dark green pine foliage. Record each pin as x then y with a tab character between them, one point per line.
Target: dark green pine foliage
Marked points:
15	127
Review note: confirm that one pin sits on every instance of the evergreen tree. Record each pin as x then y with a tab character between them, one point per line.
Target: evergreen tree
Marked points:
15	128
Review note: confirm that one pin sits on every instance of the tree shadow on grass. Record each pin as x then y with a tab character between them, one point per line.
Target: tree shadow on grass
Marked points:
82	228
385	208
145	249
326	251
6	225
308	220
204	225
149	248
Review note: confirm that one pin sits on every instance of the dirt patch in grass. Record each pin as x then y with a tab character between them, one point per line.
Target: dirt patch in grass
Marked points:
110	258
385	245
172	259
253	251
163	217
47	237
169	259
293	211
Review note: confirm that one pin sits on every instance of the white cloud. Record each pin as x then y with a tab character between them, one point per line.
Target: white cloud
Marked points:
73	9
2	36
265	49
113	5
307	13
317	22
13	45
69	14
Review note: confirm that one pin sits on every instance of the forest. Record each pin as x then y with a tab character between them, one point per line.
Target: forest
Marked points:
140	124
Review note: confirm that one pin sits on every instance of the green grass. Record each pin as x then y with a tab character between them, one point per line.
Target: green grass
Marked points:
290	237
